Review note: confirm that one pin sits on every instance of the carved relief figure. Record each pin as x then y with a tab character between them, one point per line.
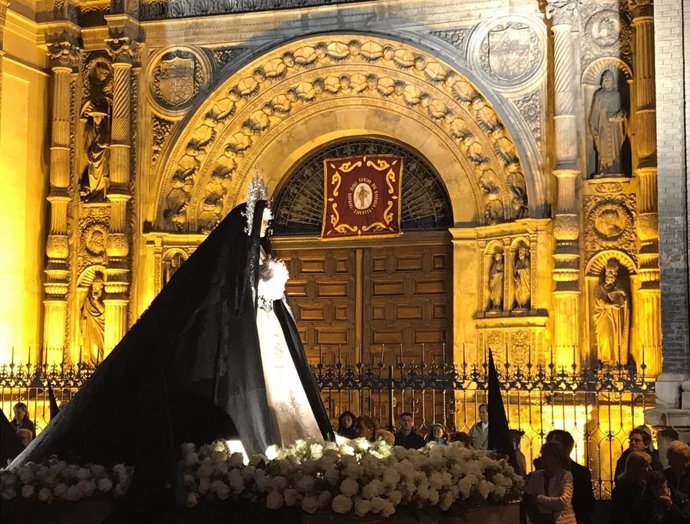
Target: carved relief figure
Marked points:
611	316
522	278
93	321
608	122
496	283
518	191
94	180
493	210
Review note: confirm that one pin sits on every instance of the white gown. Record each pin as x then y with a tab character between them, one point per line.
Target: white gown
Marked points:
286	396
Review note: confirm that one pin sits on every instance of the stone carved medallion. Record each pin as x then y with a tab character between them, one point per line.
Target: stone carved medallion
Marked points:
610	224
510	53
604	28
176	77
606	33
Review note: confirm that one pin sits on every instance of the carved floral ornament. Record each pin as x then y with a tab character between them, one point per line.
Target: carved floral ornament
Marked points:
267	92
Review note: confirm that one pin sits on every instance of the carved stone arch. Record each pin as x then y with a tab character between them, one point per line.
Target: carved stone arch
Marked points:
206	168
86	277
494	246
598	262
517	242
593	72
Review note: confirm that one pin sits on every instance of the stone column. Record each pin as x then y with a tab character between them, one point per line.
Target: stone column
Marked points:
647	301
566	294
118	249
64	59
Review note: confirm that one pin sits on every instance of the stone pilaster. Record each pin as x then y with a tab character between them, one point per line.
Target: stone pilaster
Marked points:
566	294
648	299
64	59
122	50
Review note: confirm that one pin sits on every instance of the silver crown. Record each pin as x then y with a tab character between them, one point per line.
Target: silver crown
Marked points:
258	190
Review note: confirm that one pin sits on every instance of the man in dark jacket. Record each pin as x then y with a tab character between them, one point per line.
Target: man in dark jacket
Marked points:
583	495
640	440
406	436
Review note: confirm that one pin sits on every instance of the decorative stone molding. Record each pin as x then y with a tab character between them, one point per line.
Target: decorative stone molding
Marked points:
610	221
63	55
531	107
510	52
456	37
293	77
640	8
222	56
174	78
123	50
561	12
93	235
607	32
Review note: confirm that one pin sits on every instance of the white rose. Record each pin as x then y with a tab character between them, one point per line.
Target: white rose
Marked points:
60	490
446	501
309	467
349	487
236	481
191	459
341	504
377	504
72	494
221	489
305	484
391	477
465	487
105	485
219	446
274	500
292	497
83	473
279	483
206	469
27	491
316	451
6	478
249	472
372	489
332	476
8	493
395	496
86	487
325	498
45	495
97	471
236	460
26	474
346	450
204	486
192	499
362	507
220	469
433	497
310	504
388	510
484	488
499	493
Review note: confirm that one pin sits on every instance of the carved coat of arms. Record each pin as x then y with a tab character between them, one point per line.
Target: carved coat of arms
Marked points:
176	83
509	51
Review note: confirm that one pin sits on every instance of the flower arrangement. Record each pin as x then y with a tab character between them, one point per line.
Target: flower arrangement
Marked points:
356	477
57	480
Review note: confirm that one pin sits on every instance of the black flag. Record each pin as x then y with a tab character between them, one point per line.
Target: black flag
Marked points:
499	437
54	409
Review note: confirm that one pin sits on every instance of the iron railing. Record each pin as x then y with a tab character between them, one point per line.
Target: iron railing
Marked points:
598	405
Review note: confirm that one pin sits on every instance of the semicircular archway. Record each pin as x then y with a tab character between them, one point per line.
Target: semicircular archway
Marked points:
358	85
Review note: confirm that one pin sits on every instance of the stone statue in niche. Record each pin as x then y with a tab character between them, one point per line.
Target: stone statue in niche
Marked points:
95	178
93	322
611	316
522	279
171	266
608	123
496	283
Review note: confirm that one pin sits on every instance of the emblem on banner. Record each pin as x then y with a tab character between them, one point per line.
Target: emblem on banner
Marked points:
362	196
177	80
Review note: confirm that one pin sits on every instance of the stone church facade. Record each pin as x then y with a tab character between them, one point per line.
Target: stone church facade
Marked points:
529	129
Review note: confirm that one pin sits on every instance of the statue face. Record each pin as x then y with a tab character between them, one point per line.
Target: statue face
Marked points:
607	81
522	253
497	257
265	220
610	276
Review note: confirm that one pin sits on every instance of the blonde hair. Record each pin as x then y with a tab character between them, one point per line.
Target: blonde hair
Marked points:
636	466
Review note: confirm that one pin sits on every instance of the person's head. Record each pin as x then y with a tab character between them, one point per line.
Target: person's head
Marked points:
607	81
265	221
460	436
656	483
516	437
437	432
366	427
522	252
21	412
678	455
552	456
484	413
611	272
346	420
564	438
386	435
637	467
406	422
639	440
25	436
498	257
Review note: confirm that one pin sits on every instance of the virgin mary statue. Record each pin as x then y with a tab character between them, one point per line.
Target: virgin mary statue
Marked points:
216	356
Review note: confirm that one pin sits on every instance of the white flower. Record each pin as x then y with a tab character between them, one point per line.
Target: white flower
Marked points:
310	504
8	493
305	484
362	507
204	485
248	472
394	496
292	497
432	497
236	460
97	471
346	449
325	498
27	491
192	499
349	487
272	452
279	483
391	477
273	287
73	493
388	510
316	451
332	476
274	500
221	489
236	481
372	489
500	492
341	504
86	487
45	495
105	485
191	459
60	490
446	501
377	504
484	488
26	474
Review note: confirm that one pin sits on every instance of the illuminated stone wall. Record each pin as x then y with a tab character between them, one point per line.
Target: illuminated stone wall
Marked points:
160	114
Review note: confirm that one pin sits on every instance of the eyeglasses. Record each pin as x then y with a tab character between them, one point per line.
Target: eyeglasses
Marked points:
636	440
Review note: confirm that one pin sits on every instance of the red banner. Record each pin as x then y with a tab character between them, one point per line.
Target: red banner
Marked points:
362	197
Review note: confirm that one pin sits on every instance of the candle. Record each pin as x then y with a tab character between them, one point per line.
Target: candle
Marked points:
423	353
320	353
464	361
506	348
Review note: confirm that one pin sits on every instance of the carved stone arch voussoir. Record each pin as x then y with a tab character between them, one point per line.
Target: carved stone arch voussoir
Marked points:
592	74
598	262
87	276
266	91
